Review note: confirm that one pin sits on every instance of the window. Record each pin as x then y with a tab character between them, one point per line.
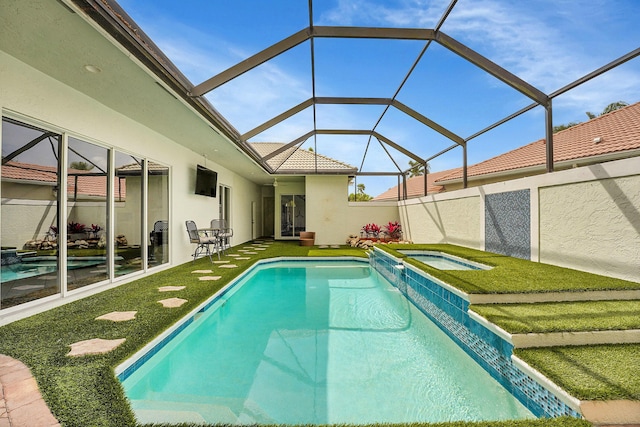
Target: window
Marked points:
127	212
87	189
29	212
158	213
105	197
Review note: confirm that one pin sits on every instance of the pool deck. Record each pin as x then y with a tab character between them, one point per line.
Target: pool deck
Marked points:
21	404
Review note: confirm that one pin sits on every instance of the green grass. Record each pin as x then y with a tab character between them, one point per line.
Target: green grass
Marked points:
563	316
601	372
84	391
510	275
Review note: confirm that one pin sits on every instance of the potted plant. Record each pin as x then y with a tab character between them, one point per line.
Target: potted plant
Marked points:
371	230
394	230
76	231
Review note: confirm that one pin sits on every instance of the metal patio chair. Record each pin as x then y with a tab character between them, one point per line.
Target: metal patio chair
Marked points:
224	233
203	238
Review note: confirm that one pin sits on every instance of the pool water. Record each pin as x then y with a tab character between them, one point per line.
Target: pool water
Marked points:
24	270
443	261
299	343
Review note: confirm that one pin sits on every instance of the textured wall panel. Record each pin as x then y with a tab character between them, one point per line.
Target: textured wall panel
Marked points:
593	226
508	223
454	221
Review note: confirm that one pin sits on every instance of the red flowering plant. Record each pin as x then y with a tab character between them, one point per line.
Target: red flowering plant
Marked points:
393	229
75	227
371	230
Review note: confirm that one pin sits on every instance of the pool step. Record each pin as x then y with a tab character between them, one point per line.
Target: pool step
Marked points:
198	411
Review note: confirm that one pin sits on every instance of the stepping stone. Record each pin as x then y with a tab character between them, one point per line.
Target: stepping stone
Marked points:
250	253
172	302
228	265
233	255
94	346
221	262
118	316
335	246
202	271
258	249
170	288
210	277
323	247
244	257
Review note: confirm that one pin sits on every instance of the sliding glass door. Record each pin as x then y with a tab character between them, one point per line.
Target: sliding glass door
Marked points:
292	214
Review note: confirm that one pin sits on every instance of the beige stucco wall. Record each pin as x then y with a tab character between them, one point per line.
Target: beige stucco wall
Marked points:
327	208
362	213
333	217
437	219
593	226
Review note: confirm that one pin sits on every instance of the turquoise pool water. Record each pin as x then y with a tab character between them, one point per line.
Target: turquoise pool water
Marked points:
443	261
23	270
314	343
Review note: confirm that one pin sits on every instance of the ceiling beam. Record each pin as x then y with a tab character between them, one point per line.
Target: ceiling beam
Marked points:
397	147
302	36
251	62
373	33
492	68
428	122
277	119
289	145
347	100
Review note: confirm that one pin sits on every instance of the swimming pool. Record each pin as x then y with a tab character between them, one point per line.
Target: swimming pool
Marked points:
313	343
444	261
33	267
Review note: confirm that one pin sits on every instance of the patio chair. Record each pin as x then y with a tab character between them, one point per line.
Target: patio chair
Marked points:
203	238
158	236
224	234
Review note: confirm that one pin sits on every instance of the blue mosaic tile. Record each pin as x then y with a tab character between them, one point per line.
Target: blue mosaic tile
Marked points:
507	219
450	312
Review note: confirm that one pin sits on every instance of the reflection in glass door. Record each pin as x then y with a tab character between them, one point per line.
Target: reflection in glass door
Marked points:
87	214
127	196
29	228
158	213
292	214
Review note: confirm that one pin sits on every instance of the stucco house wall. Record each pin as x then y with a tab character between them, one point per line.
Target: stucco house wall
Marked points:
29	94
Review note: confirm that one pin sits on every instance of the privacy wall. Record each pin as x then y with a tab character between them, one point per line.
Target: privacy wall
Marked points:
586	218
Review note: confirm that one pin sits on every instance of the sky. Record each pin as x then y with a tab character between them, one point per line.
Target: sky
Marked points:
547	43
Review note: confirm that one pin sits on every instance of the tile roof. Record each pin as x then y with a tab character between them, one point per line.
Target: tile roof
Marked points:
415	186
88	184
619	131
295	160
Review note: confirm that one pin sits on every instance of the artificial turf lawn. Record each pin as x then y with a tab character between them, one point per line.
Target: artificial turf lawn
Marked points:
509	275
562	316
84	391
597	372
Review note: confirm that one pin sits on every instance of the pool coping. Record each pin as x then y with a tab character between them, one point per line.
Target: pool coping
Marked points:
602	413
439	254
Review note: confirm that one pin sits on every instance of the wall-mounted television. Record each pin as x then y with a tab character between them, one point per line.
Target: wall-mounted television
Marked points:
206	181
